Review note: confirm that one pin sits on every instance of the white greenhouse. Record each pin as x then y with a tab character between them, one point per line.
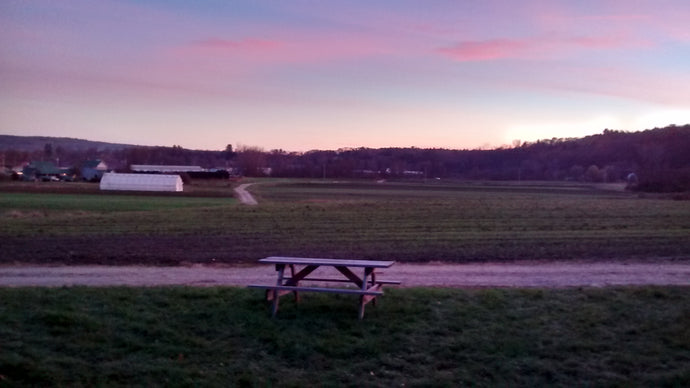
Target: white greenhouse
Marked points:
141	182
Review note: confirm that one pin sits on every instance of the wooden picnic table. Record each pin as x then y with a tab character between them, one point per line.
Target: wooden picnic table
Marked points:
368	287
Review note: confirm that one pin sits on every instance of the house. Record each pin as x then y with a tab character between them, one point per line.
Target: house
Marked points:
40	170
92	170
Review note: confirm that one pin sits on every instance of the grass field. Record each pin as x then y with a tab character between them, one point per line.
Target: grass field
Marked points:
415	337
401	221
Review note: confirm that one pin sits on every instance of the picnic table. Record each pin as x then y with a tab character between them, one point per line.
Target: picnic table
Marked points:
368	287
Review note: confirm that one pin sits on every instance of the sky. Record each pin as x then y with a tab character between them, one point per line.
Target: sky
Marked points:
305	74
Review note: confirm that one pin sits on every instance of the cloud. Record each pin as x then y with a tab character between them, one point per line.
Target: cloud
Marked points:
294	47
221	51
247	44
485	50
533	48
617	81
634	84
643	19
598	42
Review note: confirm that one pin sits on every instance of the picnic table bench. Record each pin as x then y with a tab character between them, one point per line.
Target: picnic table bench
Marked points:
368	286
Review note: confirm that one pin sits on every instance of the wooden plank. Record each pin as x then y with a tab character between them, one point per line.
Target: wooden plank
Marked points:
322	261
276	297
330	280
353	278
317	289
344	280
388	282
363	299
368	298
300	275
271	293
292	271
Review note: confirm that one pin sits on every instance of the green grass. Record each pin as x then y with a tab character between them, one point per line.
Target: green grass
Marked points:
416	337
400	221
63	203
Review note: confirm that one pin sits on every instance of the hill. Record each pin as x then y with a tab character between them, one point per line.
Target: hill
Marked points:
38	143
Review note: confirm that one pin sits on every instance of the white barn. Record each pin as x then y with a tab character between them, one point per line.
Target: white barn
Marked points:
141	182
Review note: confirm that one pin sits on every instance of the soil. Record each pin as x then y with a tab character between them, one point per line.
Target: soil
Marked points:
73	264
552	274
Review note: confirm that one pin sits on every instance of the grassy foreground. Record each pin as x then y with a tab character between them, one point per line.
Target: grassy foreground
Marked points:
414	337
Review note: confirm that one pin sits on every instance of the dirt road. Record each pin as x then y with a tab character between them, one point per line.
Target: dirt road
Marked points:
245	196
530	274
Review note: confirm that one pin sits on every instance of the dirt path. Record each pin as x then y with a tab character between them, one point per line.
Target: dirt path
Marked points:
533	274
245	196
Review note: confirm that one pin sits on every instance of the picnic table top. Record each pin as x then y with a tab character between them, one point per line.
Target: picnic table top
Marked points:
320	261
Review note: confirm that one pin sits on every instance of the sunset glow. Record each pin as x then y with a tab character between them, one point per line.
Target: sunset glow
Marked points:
303	75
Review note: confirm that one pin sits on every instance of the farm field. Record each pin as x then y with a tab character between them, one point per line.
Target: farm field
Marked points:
633	336
432	221
220	336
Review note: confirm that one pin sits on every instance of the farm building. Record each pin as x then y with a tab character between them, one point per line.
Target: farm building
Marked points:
92	170
194	172
141	182
40	170
164	168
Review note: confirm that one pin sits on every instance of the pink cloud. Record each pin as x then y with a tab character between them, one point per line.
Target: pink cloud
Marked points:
617	80
298	47
566	19
605	42
242	44
485	50
640	19
214	49
623	17
532	48
634	84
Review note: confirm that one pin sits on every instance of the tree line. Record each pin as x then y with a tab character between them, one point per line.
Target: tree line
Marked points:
658	158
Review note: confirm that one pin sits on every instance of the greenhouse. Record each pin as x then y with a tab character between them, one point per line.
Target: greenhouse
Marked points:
141	182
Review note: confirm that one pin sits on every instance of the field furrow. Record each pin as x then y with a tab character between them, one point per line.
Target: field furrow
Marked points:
452	222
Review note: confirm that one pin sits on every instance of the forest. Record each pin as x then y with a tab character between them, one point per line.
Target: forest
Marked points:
658	159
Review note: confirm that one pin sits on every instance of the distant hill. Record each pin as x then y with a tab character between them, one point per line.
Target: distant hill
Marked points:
37	143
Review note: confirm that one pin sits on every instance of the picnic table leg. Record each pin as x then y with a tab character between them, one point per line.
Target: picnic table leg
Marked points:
362	299
281	270
373	283
292	273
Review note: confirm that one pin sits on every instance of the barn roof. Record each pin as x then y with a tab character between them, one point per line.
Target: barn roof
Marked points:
91	163
141	182
165	168
43	167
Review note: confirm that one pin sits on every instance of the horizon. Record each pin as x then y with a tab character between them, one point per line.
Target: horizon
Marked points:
238	148
301	76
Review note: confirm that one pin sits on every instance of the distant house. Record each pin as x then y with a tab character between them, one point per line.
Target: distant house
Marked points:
141	182
93	170
39	170
18	171
413	173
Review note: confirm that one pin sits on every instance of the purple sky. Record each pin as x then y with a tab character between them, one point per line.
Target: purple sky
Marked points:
301	75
